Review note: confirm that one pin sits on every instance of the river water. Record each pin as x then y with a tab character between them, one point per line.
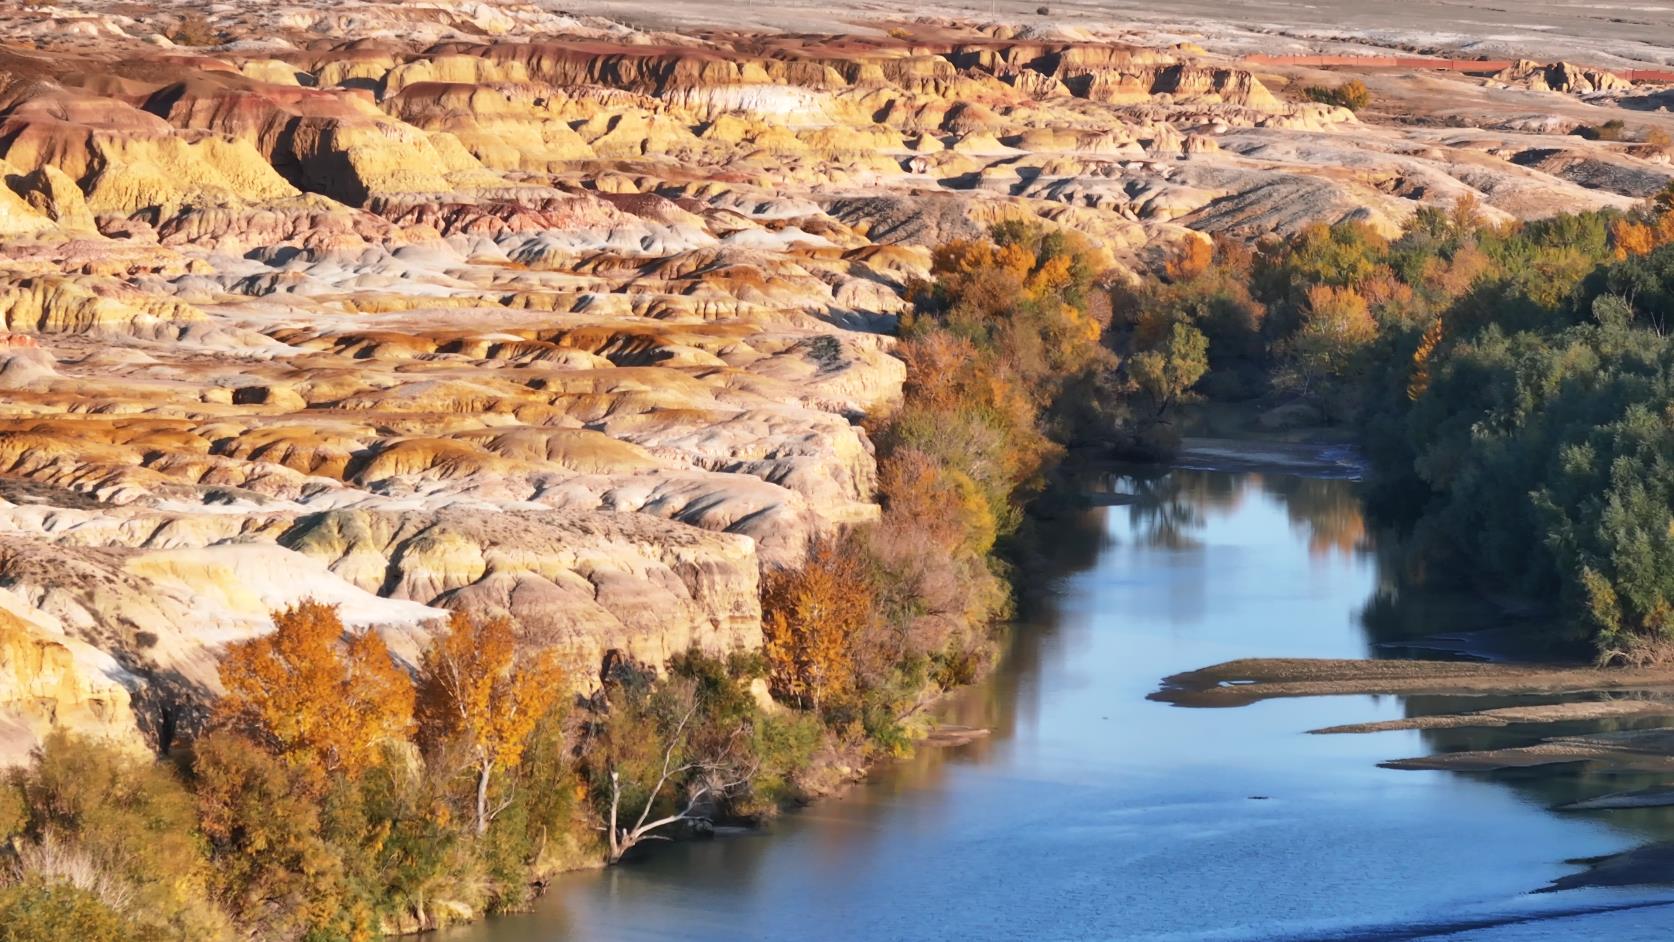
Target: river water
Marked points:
1092	813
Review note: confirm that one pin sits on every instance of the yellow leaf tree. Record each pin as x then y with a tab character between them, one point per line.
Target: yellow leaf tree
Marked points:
313	700
473	694
810	617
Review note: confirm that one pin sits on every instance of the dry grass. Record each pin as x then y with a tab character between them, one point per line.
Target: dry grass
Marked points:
56	860
1639	651
1353	95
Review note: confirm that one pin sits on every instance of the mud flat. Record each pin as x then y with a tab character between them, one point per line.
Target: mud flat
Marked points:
1639	750
1580	694
1651	864
1590	694
1237	683
1507	716
1646	798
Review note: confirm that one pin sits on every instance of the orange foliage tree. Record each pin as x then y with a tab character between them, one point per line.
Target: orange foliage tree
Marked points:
1631	236
811	617
944	503
473	694
1420	381
1191	260
1336	324
318	703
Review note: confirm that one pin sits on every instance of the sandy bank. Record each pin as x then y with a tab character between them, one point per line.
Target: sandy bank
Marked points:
1639	750
1236	683
1506	716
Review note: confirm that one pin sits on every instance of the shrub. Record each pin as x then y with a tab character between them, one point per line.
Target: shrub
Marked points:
811	618
1613	130
274	867
120	826
1353	95
194	29
38	911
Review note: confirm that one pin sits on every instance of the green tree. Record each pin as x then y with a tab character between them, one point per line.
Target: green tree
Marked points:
1165	374
274	870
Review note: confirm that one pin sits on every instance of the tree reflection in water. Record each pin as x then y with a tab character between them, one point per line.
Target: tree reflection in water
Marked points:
1168	506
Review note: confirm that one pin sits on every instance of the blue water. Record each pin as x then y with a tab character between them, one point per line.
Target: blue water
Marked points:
1094	814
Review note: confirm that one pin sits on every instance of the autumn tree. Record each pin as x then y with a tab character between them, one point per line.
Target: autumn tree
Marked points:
319	703
1190	260
1336	324
667	751
810	617
274	866
1421	359
475	695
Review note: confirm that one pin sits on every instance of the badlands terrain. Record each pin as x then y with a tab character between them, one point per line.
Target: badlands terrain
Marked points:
412	306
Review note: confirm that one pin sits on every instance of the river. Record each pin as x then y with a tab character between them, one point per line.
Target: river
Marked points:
1094	814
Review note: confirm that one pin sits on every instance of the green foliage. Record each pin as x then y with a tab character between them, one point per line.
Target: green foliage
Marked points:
59	912
548	813
106	818
1512	384
1525	427
274	868
14	813
654	746
1165	372
781	743
1636	291
1614	129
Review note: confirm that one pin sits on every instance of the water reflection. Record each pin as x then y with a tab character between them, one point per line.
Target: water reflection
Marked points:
1169	508
1091	813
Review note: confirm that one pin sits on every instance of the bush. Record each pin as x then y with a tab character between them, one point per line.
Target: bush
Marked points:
274	868
58	912
1613	130
1353	95
194	30
121	826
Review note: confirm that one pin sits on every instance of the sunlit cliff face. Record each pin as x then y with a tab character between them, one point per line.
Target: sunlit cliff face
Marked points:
407	307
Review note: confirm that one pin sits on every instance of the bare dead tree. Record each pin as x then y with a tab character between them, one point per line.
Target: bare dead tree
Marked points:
716	778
